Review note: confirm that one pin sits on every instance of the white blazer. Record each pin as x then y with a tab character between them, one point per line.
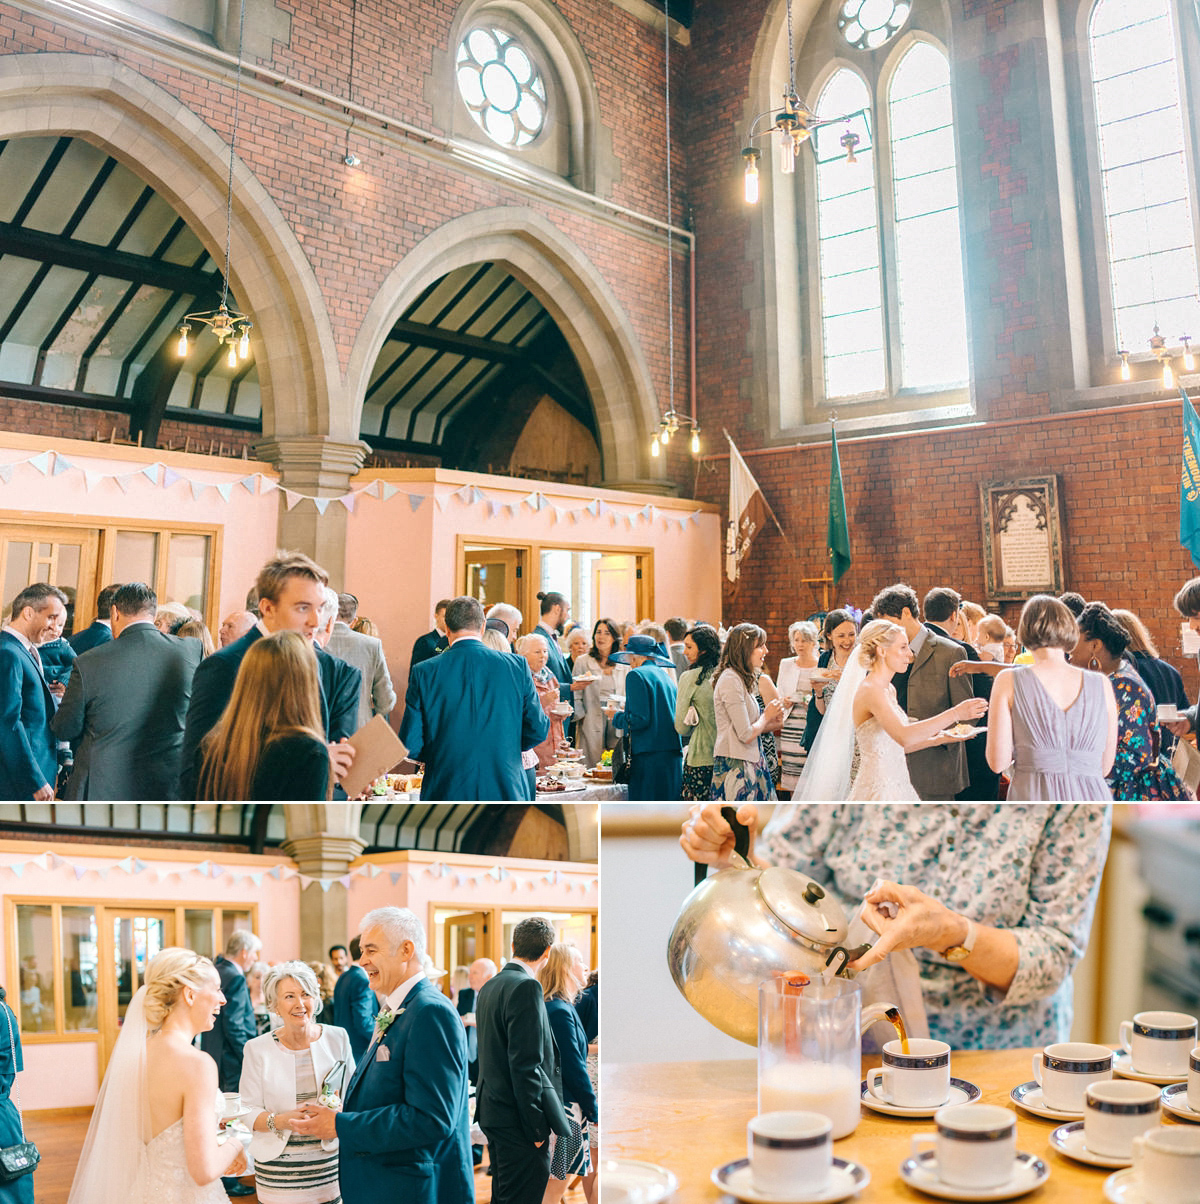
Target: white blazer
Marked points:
268	1082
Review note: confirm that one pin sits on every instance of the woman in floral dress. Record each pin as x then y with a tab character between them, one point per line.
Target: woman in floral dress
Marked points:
1140	772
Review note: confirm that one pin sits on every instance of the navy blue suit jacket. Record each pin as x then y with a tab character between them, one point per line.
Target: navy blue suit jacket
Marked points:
468	715
354	1008
90	637
212	688
404	1132
27	748
234	1026
557	663
572	1045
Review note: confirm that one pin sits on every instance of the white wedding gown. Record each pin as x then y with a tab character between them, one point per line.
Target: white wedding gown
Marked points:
882	767
165	1175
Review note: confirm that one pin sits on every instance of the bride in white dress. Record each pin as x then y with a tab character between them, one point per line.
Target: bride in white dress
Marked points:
864	713
153	1134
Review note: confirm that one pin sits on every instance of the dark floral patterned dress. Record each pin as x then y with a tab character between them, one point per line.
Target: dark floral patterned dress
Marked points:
1139	773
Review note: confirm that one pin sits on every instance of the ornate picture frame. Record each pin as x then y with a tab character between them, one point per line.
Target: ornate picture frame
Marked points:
1022	538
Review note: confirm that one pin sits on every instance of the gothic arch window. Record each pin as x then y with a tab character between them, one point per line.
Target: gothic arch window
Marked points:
1147	187
891	291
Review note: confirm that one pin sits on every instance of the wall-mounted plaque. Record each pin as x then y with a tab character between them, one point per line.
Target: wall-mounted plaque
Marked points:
1022	538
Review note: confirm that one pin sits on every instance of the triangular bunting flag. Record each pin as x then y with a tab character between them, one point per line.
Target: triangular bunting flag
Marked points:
256	879
388	491
345	880
348	500
61	465
275	873
103	872
593	508
440	502
322	504
415	500
138	866
325	884
40	861
6	471
373	871
216	871
493	508
532	501
290	873
17	870
150	472
226	490
395	876
247	483
126	865
197	488
268	486
203	868
646	512
123	482
40	462
79	871
305	881
292	500
169	477
91	480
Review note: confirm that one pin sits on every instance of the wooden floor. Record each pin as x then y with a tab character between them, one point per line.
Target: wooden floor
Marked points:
59	1137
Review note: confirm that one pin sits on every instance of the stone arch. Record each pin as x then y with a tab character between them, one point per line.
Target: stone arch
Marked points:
576	296
583	832
185	161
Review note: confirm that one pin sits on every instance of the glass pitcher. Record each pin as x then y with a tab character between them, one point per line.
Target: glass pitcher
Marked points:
810	1046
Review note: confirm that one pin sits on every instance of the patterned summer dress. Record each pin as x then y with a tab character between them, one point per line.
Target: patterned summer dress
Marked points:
304	1173
1139	773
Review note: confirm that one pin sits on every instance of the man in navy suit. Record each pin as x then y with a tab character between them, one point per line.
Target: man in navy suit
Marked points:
518	1101
434	642
556	610
656	771
28	758
403	1132
354	1003
469	714
100	631
234	1024
291	589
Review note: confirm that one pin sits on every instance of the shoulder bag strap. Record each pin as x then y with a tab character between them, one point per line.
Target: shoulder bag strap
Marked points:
8	1015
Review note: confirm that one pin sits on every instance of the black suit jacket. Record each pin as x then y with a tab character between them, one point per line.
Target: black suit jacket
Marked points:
90	637
519	1096
124	710
427	645
234	1026
212	689
465	1004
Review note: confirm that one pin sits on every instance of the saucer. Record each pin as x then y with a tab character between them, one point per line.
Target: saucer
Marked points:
1068	1139
961	1092
1028	1173
1123	1065
1029	1096
1125	1187
626	1178
1174	1100
846	1179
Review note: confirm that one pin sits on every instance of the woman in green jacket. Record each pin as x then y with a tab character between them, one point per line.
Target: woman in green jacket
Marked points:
694	703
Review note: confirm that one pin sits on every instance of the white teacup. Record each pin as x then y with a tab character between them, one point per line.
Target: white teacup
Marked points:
1158	1042
1116	1112
918	1079
1167	712
790	1152
975	1144
1193	1091
1167	1161
1066	1069
233	1104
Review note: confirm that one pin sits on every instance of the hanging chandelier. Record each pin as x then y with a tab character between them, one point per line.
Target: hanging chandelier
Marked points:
669	426
229	325
795	123
1162	353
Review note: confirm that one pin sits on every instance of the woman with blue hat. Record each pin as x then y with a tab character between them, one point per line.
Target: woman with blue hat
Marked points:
656	769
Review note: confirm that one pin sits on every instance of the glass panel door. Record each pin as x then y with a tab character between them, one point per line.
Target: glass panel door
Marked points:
132	937
465	937
498	574
62	556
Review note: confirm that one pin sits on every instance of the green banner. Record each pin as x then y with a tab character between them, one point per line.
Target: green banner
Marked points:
838	533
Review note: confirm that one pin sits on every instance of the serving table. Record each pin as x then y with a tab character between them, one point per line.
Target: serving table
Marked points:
691	1117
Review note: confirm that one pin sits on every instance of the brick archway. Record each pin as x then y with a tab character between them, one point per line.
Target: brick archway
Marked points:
575	294
185	161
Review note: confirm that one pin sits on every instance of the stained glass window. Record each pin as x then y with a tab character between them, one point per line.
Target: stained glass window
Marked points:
501	85
868	24
1148	214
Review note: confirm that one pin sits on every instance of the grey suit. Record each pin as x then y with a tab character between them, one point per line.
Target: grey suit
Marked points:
365	653
124	708
941	772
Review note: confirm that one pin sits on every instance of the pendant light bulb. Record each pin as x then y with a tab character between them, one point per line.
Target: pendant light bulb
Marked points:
1189	356
787	153
665	436
654	448
1168	375
695	443
231	359
244	344
1125	372
184	331
751	156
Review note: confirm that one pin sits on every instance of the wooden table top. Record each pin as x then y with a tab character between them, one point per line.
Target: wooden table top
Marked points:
691	1117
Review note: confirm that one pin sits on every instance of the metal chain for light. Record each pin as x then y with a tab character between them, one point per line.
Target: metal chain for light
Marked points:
791	53
237	98
670	218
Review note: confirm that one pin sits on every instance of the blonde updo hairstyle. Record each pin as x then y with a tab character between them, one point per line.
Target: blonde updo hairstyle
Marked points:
877	635
168	973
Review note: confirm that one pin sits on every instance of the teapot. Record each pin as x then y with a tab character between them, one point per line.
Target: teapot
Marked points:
742	926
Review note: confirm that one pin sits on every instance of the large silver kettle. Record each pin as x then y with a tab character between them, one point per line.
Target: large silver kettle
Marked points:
741	926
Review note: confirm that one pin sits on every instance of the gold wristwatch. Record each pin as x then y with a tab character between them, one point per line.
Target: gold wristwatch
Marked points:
958	953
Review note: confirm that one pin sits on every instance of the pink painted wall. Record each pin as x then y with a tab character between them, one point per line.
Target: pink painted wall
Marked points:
249	522
65	1075
399	562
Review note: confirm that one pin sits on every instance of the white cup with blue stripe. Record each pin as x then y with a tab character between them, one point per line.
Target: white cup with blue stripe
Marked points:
791	1153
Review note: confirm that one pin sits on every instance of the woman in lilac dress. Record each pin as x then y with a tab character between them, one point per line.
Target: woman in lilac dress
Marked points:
1052	722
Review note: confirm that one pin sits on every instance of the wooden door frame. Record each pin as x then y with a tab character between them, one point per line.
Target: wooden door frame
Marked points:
107	1002
89	558
495	924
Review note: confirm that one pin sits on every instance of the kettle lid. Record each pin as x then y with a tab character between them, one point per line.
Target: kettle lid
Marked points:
803	905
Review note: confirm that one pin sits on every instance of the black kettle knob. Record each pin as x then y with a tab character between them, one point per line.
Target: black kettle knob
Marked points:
813	894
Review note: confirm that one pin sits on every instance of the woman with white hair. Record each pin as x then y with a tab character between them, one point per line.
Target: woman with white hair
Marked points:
795	687
300	1062
536	652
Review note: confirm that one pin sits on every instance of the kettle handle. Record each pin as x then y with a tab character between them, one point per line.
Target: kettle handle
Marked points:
741	841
